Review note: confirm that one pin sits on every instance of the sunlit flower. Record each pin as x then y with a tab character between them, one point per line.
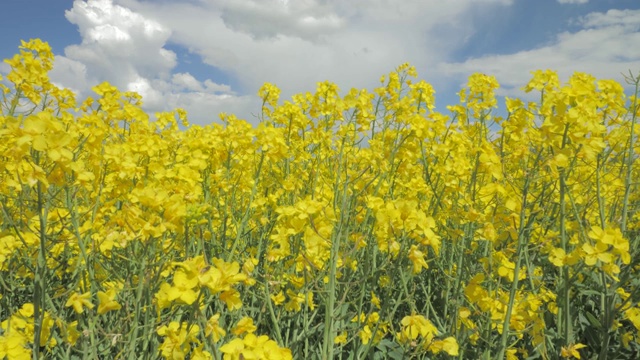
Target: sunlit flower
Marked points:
79	302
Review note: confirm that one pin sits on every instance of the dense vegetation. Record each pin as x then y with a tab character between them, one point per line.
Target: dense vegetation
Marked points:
359	226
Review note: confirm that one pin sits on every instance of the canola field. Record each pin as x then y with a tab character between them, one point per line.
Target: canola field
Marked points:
358	226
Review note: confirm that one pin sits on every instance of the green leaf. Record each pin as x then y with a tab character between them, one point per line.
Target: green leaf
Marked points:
590	292
593	320
388	350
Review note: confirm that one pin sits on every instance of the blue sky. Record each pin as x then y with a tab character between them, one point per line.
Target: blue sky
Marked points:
211	56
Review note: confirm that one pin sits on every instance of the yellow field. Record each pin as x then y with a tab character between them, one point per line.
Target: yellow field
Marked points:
363	226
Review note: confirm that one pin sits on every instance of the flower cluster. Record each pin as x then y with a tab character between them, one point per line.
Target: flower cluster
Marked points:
364	223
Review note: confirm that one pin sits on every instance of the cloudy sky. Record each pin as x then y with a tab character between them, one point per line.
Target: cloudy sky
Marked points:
212	56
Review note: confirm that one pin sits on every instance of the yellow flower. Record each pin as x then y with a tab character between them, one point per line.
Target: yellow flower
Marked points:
375	300
177	339
417	325
232	299
295	301
559	258
384	281
633	315
365	334
511	354
571	351
188	296
79	302
627	337
199	354
15	346
214	329
595	253
448	345
233	349
245	325
310	302
278	298
269	94
71	332
163	297
341	339
107	301
417	258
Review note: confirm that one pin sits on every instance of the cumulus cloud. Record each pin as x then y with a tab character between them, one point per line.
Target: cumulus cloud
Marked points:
296	44
186	81
629	20
118	42
265	19
601	48
573	1
127	49
4	68
70	73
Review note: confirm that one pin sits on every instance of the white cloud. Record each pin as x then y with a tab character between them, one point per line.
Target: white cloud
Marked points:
126	48
4	68
217	88
296	44
71	74
118	42
186	81
573	1
261	19
601	48
628	19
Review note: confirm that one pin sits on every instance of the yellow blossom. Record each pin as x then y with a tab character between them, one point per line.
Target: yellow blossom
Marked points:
341	339
571	351
245	325
107	301
79	302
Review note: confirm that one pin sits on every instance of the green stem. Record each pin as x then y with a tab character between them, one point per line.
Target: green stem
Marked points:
627	179
41	269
